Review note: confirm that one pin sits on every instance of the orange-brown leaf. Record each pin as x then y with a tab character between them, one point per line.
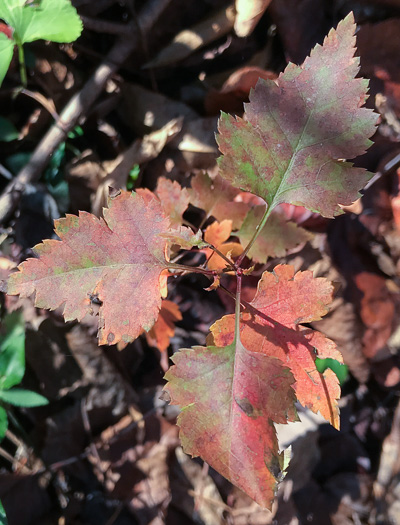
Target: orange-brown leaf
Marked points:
164	328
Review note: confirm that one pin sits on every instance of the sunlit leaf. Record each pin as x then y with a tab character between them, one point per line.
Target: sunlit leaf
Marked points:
116	260
230	397
55	20
12	350
295	132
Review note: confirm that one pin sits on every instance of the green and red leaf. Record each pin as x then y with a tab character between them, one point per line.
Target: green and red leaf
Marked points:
275	239
117	260
283	301
230	397
295	132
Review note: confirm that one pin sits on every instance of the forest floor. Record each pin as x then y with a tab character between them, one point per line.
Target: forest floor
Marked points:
105	450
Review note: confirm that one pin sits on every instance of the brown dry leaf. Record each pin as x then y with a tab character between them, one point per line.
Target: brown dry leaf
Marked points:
198	136
190	481
189	40
217	198
144	111
141	150
378	45
301	25
235	90
174	199
377	312
152	494
248	13
387	484
84	175
344	327
164	328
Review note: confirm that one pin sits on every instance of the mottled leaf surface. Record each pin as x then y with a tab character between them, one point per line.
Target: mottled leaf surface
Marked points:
216	197
290	144
285	300
230	397
275	239
174	199
117	260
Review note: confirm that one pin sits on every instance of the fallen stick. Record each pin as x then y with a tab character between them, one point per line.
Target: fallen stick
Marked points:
77	107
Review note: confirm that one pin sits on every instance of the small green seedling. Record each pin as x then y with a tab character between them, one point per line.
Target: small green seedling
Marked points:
12	369
54	20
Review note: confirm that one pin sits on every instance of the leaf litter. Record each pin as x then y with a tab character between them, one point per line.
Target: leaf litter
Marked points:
137	431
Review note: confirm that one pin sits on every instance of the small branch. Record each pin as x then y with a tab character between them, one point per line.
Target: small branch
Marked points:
77	108
238	304
104	26
6	174
191	269
249	307
254	238
222	255
43	101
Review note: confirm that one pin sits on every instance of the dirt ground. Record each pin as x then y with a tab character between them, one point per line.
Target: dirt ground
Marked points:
105	450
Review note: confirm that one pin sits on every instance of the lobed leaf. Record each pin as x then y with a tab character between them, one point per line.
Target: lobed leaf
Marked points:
230	397
295	132
117	260
275	239
216	197
284	300
174	199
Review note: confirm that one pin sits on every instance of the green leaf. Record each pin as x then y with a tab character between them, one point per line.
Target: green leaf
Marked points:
290	145
6	53
12	350
8	131
3	426
23	398
55	20
3	517
341	370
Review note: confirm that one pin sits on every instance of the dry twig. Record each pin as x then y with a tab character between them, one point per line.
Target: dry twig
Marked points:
76	108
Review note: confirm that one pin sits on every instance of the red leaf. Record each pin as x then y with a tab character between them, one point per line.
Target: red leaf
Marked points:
289	146
233	392
7	30
285	300
117	260
229	397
